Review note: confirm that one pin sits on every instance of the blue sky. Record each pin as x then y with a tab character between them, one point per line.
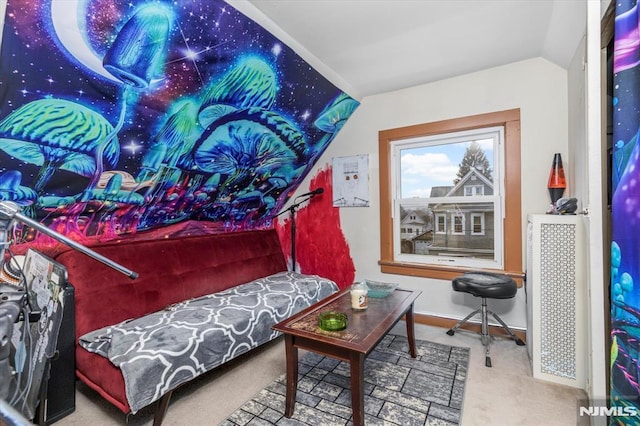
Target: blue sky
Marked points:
435	165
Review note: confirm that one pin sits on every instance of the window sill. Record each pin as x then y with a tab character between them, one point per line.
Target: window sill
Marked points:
438	272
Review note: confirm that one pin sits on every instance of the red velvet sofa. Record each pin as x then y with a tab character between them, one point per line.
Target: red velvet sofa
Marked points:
170	271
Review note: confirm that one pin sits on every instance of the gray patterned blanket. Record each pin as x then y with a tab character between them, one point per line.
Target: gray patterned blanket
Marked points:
162	350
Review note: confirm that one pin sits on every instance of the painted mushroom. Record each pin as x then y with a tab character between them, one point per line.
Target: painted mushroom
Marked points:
58	134
112	198
54	202
336	114
248	147
12	190
127	181
180	132
332	118
152	161
138	52
251	83
112	193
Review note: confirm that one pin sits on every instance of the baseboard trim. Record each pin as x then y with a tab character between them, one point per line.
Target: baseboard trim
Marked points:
447	323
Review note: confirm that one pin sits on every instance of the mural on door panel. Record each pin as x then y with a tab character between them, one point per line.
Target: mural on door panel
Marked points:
625	246
118	116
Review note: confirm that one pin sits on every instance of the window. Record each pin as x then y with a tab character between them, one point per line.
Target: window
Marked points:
441	223
458	224
471	203
447	174
477	223
471	190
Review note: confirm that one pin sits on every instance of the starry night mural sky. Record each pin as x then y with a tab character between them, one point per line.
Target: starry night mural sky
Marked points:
118	116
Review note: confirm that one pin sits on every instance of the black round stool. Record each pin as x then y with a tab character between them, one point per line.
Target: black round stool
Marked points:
487	285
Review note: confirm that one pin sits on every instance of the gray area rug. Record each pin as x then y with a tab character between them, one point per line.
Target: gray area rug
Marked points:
399	390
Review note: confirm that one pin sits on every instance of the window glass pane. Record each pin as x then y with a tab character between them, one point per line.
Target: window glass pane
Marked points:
458	224
446	195
429	169
442	222
452	238
477	224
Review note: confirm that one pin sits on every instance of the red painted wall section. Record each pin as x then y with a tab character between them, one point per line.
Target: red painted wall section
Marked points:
321	247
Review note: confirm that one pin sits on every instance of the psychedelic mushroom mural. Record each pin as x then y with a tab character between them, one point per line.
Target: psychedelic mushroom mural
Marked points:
179	133
250	147
333	118
137	54
252	83
156	112
114	205
12	190
625	235
57	135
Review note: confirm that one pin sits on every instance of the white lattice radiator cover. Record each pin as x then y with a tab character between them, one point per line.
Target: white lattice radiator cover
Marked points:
556	298
558	295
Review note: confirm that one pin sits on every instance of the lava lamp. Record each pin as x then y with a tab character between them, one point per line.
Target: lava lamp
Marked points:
557	182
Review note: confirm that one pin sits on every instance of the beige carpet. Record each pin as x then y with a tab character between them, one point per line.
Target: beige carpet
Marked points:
505	394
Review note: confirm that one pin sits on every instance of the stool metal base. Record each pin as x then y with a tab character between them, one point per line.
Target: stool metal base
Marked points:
484	334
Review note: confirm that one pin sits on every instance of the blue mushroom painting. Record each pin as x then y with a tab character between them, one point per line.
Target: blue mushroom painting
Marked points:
625	233
57	134
135	115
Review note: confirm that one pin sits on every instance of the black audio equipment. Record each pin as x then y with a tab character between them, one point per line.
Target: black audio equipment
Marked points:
60	398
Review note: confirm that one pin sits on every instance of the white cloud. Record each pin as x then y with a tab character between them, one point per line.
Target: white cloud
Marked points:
485	144
422	171
436	168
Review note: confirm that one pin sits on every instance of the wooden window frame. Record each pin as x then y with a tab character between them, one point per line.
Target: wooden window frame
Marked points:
512	222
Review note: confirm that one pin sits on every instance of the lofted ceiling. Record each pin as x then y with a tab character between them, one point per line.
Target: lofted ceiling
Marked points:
376	46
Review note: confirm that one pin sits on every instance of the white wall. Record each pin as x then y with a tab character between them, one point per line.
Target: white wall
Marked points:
578	176
254	13
536	86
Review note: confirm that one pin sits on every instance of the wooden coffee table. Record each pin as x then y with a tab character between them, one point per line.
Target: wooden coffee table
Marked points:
364	330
